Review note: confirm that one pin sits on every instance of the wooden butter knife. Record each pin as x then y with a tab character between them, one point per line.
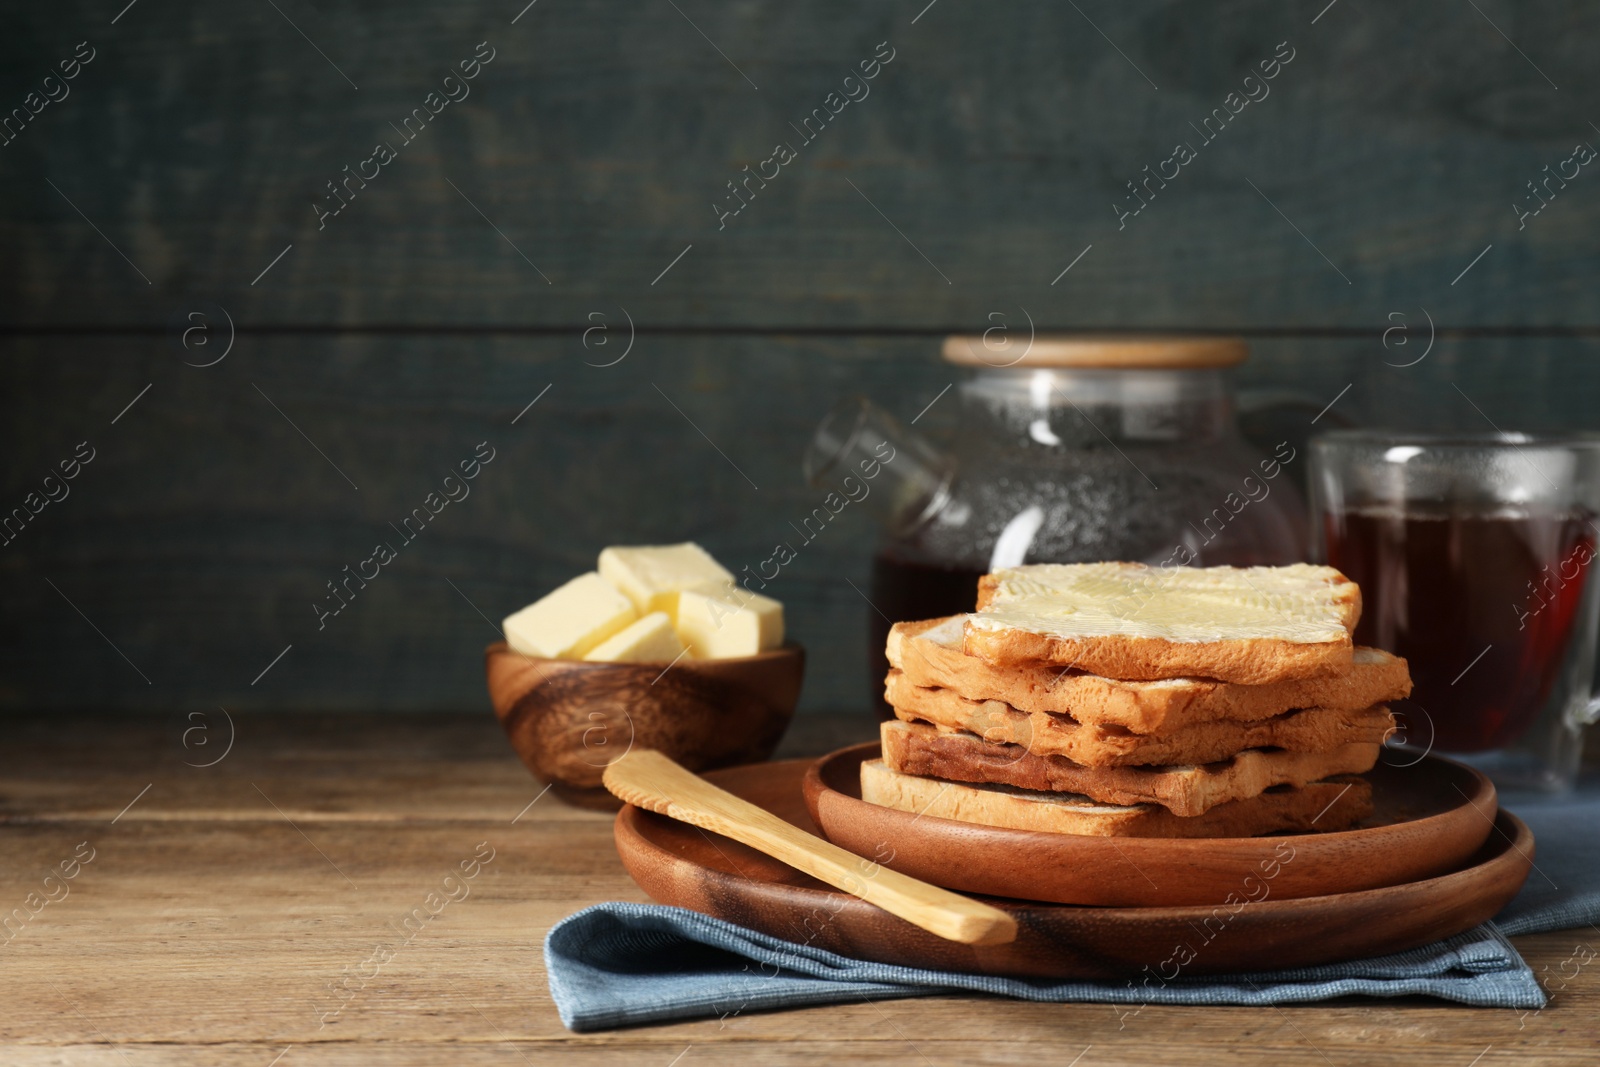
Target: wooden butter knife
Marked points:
650	780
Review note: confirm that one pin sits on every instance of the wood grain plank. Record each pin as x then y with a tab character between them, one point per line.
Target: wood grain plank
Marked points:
389	769
207	527
208	940
990	152
237	939
236	936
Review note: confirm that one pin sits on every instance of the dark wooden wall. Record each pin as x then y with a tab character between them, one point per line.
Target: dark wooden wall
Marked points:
1378	177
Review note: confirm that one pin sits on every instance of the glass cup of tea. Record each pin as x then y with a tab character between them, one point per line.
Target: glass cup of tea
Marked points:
1475	555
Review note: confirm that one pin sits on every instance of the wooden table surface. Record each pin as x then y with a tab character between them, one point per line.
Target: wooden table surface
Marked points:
224	905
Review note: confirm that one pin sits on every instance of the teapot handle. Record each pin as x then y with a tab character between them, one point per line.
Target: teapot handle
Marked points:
857	441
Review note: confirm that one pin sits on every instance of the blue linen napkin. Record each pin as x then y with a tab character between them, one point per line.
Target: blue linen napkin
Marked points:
622	964
1563	889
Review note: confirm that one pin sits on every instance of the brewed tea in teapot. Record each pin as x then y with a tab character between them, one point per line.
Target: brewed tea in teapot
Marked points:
1082	448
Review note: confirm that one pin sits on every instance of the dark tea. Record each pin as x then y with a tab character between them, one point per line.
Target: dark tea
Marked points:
902	589
1483	606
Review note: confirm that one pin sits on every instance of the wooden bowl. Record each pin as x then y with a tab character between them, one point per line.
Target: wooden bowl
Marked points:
567	719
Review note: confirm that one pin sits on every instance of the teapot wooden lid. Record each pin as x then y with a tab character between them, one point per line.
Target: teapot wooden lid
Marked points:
1126	351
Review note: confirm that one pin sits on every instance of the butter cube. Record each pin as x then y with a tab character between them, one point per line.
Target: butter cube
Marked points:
718	621
650	640
570	621
653	575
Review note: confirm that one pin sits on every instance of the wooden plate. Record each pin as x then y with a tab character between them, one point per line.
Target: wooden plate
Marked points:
678	864
1428	819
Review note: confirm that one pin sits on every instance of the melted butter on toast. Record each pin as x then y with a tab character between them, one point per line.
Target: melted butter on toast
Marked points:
1301	603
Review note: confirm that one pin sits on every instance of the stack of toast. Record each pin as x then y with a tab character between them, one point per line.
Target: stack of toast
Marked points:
1117	699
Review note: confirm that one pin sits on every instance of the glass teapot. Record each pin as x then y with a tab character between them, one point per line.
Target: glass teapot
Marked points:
1082	448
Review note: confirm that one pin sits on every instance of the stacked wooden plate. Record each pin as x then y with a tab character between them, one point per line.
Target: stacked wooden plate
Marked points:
1436	858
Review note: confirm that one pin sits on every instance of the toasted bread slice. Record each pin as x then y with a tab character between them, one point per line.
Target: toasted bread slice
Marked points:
931	655
1054	734
1131	621
1325	806
925	750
